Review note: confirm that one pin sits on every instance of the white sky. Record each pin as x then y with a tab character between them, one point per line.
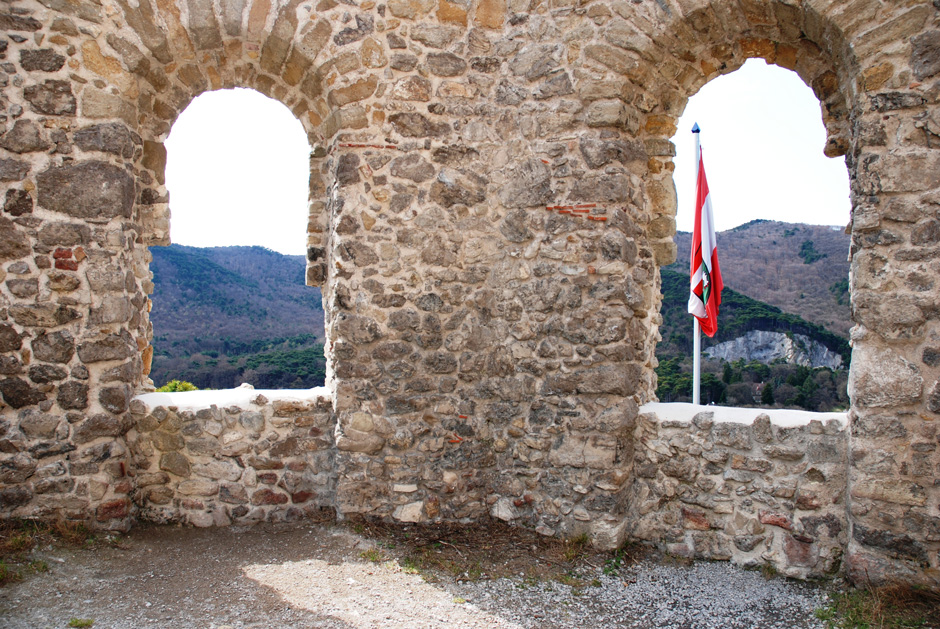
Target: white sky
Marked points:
237	165
762	143
237	170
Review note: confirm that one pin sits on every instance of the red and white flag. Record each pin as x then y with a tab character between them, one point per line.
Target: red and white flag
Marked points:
704	274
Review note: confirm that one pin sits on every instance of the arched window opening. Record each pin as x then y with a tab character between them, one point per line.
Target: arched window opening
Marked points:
780	209
230	304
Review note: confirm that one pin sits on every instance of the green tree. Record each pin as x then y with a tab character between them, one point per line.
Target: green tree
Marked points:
767	395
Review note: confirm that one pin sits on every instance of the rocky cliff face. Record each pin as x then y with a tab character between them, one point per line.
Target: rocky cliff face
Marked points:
766	347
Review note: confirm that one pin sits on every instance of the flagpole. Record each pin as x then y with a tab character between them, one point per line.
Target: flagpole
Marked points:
696	327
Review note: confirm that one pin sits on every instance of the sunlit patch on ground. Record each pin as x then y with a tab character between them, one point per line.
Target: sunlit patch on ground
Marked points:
369	594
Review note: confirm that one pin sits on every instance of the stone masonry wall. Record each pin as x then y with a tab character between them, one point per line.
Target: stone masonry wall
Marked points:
755	492
491	198
267	460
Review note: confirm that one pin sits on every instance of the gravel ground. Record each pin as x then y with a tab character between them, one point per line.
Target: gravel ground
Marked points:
317	576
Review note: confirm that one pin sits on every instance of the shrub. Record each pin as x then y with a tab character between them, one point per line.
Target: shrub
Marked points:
177	385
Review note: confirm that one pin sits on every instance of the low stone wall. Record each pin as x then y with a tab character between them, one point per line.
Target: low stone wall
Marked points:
264	456
757	488
744	485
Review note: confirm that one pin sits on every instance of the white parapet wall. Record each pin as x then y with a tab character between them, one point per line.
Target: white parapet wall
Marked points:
757	487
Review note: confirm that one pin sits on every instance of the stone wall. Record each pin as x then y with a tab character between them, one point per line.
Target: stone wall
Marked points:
491	198
263	460
733	484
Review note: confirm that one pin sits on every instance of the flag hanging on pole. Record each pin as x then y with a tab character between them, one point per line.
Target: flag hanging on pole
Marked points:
705	274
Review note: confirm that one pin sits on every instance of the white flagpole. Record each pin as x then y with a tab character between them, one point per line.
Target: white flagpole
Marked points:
696	327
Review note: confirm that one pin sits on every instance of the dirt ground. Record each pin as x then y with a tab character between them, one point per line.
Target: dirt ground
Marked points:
357	574
364	574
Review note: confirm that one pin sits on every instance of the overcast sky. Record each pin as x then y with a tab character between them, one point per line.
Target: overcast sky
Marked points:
762	143
237	170
237	162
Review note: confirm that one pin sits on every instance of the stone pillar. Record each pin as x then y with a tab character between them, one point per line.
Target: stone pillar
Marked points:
894	386
73	306
491	287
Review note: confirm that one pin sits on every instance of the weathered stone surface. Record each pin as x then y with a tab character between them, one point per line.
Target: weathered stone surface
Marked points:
175	463
412	88
446	64
892	491
879	378
404	63
352	440
62	234
434	36
42	60
110	137
73	395
98	104
417	126
52	98
9	21
606	379
900	545
514	227
18	203
732	435
37	425
17	393
23	287
268	497
232	493
54	347
353	93
347	169
112	347
24	137
87	190
12	169
42	374
364	26
925	54
580	451
15	496
113	309
43	315
97	426
529	184
558	85
453	187
413	167
602	188
358	329
14	243
598	153
10	339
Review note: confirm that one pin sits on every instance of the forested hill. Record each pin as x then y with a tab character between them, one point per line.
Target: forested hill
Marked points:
801	269
227	315
739	314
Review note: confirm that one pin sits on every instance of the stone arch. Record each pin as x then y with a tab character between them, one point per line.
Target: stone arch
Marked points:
700	41
491	201
703	40
180	51
868	77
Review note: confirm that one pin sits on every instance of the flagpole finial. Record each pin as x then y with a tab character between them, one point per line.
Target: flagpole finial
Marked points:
695	128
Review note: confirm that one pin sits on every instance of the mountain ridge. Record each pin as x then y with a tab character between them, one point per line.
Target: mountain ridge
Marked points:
802	269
